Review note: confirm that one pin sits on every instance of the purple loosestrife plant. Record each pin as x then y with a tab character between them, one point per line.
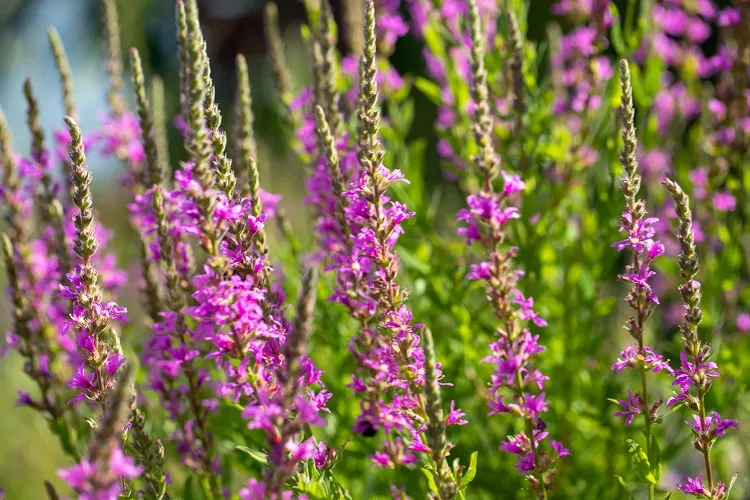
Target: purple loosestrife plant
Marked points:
639	238
697	372
95	376
517	387
261	362
399	393
168	219
229	313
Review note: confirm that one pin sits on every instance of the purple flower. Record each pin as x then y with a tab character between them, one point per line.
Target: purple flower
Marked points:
724	202
455	416
692	371
530	406
578	88
640	233
696	488
24	399
100	481
693	486
712	425
526	312
120	137
561	450
646	359
512	183
391	27
122	465
722	424
743	322
632	406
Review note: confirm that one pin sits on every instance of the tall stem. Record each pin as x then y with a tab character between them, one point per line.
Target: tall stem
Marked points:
647	416
706	450
644	385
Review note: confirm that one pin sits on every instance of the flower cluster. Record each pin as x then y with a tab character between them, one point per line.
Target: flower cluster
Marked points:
579	66
517	387
95	377
696	373
324	188
105	472
730	107
397	385
232	367
640	241
92	481
47	261
221	334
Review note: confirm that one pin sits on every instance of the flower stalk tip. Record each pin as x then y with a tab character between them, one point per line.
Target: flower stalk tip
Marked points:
113	56
245	147
63	69
277	56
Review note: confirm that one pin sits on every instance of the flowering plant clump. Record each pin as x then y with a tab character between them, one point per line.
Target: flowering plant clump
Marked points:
431	309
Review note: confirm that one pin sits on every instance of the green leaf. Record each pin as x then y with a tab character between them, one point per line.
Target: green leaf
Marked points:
618	41
625	486
312	489
640	93
192	489
434	42
430	479
640	462
668	496
430	89
471	472
306	33
413	262
256	455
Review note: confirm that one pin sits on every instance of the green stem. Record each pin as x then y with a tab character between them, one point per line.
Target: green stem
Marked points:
629	15
646	414
706	450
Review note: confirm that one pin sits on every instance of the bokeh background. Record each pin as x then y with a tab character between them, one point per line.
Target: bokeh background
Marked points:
28	453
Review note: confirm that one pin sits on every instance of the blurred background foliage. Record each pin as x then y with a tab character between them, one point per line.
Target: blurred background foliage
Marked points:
578	296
